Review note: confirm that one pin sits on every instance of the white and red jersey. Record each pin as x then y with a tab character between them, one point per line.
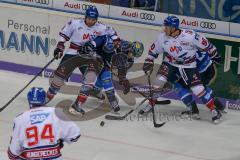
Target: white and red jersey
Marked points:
77	32
37	134
181	50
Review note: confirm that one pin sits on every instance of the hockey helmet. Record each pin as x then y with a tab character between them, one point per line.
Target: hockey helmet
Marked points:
36	96
137	49
171	21
92	12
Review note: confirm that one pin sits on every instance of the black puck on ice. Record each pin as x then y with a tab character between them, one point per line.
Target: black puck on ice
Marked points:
102	123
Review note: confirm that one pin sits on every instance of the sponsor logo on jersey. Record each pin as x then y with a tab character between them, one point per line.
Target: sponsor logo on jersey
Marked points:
86	36
38	118
176	49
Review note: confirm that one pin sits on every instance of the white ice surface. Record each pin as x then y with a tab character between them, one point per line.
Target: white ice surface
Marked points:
130	140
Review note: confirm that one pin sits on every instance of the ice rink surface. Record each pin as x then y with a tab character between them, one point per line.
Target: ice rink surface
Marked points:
178	139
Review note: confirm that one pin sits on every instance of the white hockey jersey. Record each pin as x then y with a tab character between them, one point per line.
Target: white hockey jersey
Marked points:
181	50
77	32
37	133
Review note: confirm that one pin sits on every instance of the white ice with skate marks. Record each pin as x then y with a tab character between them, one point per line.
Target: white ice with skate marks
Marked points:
130	140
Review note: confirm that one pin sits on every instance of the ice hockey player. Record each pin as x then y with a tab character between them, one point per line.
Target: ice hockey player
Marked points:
116	53
207	69
40	132
78	32
181	46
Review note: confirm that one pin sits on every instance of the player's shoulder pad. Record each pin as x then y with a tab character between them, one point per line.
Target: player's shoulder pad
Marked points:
189	33
101	25
19	117
74	21
161	35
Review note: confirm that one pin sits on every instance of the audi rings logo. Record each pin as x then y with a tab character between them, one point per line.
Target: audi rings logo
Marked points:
147	16
86	6
208	25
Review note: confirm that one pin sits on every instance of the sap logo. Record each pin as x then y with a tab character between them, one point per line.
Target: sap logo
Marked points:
38	118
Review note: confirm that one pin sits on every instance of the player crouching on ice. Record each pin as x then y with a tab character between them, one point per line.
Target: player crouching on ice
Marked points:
181	46
39	133
115	53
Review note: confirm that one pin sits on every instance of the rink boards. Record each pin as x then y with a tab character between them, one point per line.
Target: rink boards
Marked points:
29	35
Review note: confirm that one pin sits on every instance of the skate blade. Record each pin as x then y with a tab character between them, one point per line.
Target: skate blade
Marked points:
74	112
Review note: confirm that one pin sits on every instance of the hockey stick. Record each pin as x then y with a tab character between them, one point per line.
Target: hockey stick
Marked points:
1	109
155	124
163	102
112	117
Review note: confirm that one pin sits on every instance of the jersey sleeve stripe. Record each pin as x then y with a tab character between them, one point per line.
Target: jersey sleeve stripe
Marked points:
64	36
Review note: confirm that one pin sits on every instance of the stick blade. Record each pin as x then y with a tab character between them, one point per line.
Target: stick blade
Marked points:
163	102
156	125
111	117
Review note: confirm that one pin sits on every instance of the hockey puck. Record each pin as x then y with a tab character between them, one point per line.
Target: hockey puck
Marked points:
102	123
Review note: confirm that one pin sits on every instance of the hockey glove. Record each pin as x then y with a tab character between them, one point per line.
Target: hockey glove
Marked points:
88	48
60	142
58	52
148	66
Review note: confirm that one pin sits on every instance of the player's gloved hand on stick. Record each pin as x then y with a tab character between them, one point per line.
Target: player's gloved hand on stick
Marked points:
148	66
58	52
88	47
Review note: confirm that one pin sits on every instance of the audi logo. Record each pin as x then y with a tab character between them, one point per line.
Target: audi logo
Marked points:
86	6
208	25
42	1
147	16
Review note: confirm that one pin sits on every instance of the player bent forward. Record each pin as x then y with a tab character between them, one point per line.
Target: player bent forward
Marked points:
116	53
181	46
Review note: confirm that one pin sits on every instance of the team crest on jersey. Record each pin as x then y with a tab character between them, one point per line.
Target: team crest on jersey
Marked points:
176	49
38	118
